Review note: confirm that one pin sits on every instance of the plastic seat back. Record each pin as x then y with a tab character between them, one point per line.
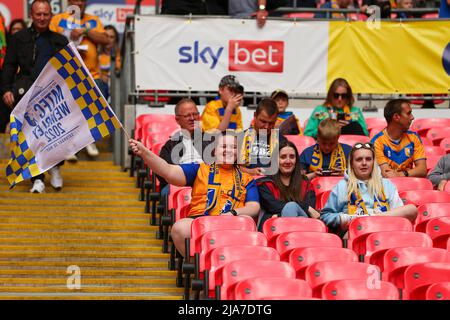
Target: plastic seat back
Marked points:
301	142
438	134
352	139
322	200
236	271
434	151
432	162
397	259
378	243
256	288
204	224
322	184
322	272
411	183
220	256
419	197
418	278
274	226
439	230
360	228
359	290
438	291
428	211
372	122
301	258
182	199
445	145
421	126
298	239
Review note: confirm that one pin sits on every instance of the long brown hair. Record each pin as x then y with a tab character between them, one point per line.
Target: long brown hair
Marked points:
339	82
293	192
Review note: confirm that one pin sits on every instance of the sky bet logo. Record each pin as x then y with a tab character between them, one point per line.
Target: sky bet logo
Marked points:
243	55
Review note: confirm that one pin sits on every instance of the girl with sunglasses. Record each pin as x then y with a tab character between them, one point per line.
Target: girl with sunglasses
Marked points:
339	106
363	192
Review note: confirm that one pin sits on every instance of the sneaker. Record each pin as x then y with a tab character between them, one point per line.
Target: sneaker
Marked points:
92	150
56	179
38	186
73	158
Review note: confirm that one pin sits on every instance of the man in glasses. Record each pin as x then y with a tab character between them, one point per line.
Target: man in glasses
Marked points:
224	112
327	157
399	152
182	148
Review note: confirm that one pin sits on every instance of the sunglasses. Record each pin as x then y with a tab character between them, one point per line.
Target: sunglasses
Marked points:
342	95
361	145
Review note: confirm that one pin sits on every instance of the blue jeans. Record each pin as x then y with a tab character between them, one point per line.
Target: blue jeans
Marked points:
292	209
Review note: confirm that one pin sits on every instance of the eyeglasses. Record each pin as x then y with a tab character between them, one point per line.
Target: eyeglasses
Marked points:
360	145
342	95
189	116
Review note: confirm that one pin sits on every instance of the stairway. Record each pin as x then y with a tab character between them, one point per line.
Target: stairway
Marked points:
95	228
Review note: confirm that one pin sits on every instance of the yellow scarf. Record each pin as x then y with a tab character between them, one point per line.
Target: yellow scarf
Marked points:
249	140
337	160
357	206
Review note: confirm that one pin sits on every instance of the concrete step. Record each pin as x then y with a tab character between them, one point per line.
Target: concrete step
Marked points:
160	264
105	241
104	272
56	222
87	234
52	289
74	197
88	296
77	247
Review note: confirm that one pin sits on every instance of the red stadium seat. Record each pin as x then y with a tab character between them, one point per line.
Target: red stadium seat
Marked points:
434	151
351	139
355	289
436	135
379	242
322	184
396	260
273	227
439	230
445	145
419	197
438	291
431	16
421	126
319	273
161	98
411	183
256	288
301	142
151	118
432	162
426	141
301	258
360	228
429	211
300	15
375	123
448	244
419	277
298	239
322	199
375	130
220	256
236	271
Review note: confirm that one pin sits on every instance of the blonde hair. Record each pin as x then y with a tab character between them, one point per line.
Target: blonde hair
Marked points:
375	182
329	129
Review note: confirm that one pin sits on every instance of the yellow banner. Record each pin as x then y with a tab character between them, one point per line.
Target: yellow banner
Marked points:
398	57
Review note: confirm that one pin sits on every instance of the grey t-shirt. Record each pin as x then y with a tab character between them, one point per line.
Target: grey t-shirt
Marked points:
242	8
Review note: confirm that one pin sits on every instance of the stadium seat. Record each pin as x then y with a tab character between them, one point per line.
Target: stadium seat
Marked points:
301	258
411	183
421	126
357	289
419	197
258	287
218	238
322	199
319	273
273	227
299	15
419	277
434	151
360	228
432	162
351	139
299	239
439	230
378	243
445	145
438	291
222	255
373	122
396	260
151	118
236	271
375	130
301	142
429	211
322	184
426	141
436	135
448	244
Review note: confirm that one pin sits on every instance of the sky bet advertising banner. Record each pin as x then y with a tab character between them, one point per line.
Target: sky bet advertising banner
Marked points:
180	54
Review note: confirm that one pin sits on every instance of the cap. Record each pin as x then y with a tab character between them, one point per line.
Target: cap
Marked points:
229	81
279	92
